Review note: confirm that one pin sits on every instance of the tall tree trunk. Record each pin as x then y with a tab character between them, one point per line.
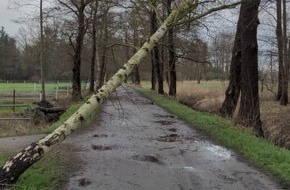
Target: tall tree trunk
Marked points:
94	49
137	75
41	53
158	70
103	57
153	21
285	71
136	44
102	69
171	55
234	88
127	48
76	86
156	53
279	91
249	112
153	72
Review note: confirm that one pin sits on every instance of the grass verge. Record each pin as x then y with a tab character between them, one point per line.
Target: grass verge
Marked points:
47	174
52	170
260	152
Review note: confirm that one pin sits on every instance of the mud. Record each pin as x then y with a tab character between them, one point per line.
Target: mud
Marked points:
147	154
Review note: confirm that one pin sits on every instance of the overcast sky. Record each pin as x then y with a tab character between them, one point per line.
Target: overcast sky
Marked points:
7	16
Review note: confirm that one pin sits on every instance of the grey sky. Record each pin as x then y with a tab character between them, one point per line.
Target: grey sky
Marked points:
7	16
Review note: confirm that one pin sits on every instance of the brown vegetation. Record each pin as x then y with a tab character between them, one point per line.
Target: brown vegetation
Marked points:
208	96
39	123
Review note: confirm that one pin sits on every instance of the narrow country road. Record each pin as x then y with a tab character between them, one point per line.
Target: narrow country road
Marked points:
135	145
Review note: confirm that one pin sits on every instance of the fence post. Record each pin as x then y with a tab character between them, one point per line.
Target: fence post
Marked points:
56	93
14	100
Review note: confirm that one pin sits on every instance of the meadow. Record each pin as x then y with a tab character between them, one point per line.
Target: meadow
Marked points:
31	87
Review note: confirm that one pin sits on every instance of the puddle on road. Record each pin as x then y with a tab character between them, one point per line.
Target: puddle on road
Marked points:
146	158
172	130
190	169
170	138
100	135
163	116
219	151
209	148
101	147
165	122
84	182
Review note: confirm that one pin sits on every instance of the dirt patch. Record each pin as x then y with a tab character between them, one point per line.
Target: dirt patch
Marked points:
170	138
146	158
101	147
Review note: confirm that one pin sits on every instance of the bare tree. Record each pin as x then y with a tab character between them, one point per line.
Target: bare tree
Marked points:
94	45
156	54
244	70
279	36
78	9
285	68
172	56
249	112
41	52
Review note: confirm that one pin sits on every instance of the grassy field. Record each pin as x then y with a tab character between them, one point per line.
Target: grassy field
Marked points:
30	87
260	152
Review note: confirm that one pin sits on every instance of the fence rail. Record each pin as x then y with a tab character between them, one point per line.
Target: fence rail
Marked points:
17	106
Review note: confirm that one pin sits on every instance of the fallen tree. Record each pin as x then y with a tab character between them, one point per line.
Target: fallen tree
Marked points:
13	168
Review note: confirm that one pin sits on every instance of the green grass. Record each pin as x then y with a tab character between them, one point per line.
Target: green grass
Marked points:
29	87
258	151
47	174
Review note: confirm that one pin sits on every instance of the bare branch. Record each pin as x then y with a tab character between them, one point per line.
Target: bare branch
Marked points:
214	9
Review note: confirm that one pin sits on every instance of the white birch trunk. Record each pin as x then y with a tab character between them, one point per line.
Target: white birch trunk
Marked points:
10	172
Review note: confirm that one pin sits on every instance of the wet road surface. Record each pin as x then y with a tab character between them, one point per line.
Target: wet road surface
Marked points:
135	145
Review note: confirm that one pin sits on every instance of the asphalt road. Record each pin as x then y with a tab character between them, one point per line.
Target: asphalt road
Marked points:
135	145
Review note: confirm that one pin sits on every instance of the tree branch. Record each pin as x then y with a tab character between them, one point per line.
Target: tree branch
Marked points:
214	9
